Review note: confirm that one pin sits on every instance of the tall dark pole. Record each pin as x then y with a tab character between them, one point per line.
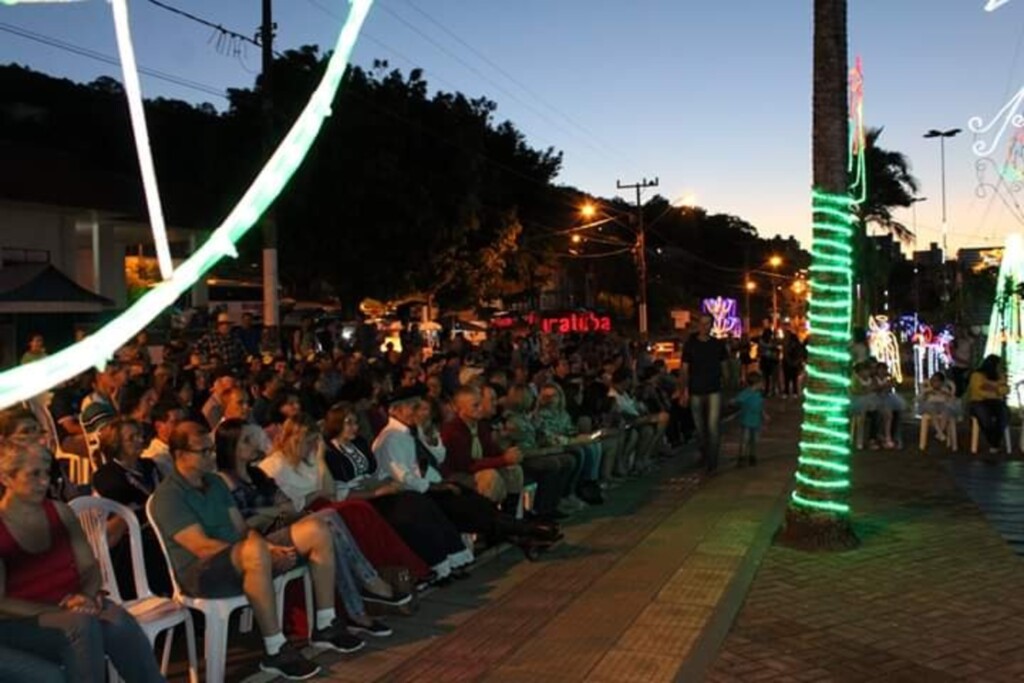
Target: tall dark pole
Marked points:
641	250
942	135
271	303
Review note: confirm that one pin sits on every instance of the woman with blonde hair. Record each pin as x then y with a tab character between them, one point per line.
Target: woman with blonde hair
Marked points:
42	538
297	467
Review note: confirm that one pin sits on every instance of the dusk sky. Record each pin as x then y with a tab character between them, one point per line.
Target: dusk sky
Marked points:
712	97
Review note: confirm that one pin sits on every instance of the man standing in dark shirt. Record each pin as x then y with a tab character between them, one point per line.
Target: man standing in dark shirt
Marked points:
705	363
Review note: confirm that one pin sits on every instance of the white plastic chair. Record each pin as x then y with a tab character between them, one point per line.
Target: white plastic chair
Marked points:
976	433
217	611
922	436
154	613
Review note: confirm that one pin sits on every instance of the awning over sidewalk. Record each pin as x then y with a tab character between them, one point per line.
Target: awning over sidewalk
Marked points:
41	288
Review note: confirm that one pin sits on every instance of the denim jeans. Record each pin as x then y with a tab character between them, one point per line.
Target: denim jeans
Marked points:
707	414
351	569
748	445
81	642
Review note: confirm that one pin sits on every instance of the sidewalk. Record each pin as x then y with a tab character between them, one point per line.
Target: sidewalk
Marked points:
643	589
932	594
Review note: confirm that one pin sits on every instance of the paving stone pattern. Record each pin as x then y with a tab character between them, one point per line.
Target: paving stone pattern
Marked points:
933	593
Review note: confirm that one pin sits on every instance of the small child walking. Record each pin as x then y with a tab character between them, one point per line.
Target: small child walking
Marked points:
751	404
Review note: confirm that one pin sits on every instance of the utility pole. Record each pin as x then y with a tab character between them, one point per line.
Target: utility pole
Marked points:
641	249
271	302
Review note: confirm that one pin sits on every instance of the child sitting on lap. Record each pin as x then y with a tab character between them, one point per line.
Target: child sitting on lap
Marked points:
939	403
889	402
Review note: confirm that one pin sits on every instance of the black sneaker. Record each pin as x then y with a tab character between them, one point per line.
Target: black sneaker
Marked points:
397	598
336	638
377	629
289	664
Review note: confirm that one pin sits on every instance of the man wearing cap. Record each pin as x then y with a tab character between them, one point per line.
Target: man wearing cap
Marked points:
221	343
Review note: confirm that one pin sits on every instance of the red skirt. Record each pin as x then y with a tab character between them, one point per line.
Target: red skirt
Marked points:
380	543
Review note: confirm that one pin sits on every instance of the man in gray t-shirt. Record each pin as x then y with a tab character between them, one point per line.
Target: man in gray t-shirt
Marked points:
705	364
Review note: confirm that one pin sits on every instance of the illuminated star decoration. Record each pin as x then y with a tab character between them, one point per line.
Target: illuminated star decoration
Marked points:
725	322
24	382
822	477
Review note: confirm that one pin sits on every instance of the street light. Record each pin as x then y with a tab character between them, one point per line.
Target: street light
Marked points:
942	135
588	210
775	261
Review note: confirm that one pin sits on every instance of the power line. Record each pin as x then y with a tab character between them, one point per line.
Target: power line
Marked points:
526	88
206	22
108	59
440	46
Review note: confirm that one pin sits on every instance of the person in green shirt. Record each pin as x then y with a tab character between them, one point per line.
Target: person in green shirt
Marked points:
214	554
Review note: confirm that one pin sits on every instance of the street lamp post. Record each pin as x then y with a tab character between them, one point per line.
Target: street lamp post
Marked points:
942	135
748	287
917	278
775	262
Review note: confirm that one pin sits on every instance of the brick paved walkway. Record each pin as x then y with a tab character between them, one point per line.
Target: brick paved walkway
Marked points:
933	594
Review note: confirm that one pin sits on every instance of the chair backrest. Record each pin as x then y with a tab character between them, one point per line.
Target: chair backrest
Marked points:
163	546
93	513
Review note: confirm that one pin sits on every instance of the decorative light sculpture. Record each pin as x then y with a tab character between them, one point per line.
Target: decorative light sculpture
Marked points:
26	381
884	345
932	353
1006	326
725	322
822	478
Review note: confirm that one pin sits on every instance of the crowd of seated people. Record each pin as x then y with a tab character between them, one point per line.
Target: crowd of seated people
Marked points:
352	461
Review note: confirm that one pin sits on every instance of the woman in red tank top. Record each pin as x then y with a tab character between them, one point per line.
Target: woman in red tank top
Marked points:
51	577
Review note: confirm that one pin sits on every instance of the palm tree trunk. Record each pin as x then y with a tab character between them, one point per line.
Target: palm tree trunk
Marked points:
818	513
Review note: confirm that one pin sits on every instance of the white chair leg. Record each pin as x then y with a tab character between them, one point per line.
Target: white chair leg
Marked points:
1007	441
307	588
168	643
975	433
922	434
190	644
245	620
216	646
952	437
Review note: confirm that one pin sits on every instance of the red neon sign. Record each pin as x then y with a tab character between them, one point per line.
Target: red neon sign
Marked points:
560	323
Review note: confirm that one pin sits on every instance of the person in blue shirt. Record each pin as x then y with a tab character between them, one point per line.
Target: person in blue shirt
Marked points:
751	404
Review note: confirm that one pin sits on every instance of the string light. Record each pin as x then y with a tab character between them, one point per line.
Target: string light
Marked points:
825	448
26	381
133	91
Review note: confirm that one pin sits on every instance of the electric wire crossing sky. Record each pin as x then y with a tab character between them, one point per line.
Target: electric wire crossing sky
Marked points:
26	381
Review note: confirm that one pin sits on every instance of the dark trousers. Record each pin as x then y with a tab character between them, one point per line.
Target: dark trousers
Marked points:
790	375
992	416
421	524
470	512
769	369
552	474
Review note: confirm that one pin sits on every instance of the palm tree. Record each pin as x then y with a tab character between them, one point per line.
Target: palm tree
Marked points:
889	185
818	513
